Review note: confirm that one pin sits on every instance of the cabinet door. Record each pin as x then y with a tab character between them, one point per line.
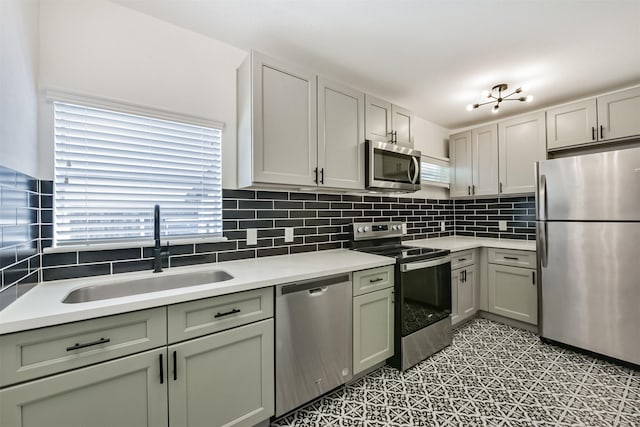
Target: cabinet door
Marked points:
572	124
377	119
223	379
402	121
461	165
619	114
372	329
284	123
513	293
484	151
123	392
467	293
340	135
521	143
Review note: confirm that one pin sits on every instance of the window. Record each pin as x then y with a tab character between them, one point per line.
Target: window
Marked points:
434	171
111	168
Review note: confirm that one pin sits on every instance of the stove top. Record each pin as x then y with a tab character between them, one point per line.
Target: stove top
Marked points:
385	238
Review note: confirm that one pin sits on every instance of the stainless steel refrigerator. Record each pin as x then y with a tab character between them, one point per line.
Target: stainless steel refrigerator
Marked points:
588	243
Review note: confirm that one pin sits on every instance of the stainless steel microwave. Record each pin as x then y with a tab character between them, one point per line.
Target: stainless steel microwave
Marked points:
391	167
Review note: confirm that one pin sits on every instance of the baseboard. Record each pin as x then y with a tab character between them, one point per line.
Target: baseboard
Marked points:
507	321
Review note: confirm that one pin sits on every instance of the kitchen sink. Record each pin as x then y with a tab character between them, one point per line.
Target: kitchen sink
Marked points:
143	286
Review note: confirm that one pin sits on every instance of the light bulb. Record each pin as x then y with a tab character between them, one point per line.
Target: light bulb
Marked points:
469	107
529	98
495	109
525	87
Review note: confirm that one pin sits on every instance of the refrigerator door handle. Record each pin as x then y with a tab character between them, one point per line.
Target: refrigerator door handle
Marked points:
542	243
542	198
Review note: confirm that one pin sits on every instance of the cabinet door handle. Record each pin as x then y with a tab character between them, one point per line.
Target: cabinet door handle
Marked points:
377	279
461	259
234	311
473	189
533	277
601	132
77	346
512	258
316	178
175	367
322	176
468	190
500	188
161	370
593	133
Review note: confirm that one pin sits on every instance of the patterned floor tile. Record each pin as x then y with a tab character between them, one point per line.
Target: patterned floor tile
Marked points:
492	375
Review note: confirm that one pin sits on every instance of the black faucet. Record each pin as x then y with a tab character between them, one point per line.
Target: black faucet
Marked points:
157	250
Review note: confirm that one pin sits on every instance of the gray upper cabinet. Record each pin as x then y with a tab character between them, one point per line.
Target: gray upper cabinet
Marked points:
460	153
522	142
277	123
382	119
606	117
340	136
123	392
572	124
484	149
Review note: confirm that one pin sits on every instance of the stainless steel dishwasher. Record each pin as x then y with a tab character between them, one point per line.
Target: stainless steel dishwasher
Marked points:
313	339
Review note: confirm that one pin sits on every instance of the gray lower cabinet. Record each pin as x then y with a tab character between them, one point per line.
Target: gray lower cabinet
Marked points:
513	292
463	294
122	392
372	329
224	379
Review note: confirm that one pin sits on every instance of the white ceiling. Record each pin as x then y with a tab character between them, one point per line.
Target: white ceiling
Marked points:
434	56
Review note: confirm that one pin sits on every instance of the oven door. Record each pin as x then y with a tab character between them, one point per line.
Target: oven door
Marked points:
392	167
425	293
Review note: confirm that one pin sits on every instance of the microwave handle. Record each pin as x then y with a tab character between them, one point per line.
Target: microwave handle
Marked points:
416	170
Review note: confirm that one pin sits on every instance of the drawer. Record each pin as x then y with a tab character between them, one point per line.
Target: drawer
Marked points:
462	259
39	352
197	318
374	279
512	257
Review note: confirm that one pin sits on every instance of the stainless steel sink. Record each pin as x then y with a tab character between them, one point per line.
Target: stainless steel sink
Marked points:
143	286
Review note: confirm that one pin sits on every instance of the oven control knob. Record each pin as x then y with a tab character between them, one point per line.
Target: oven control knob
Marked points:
366	229
394	227
360	229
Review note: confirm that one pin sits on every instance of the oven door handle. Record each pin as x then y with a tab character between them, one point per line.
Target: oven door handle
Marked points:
426	264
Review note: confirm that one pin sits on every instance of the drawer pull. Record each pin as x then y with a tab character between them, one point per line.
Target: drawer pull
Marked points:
234	311
461	259
89	344
377	279
512	258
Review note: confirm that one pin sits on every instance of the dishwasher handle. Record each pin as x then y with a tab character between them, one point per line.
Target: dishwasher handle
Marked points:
314	285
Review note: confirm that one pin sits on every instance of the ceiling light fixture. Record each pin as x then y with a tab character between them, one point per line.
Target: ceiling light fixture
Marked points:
496	95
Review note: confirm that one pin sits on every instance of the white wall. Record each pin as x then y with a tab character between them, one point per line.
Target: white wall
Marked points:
98	48
18	82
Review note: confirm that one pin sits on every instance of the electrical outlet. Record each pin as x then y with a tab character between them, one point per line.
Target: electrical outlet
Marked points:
442	226
252	237
288	234
502	225
404	228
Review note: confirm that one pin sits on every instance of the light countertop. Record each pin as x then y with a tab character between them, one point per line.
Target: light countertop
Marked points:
42	305
461	243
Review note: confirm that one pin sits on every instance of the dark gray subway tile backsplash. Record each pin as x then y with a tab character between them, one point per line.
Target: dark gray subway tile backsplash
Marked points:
320	222
19	234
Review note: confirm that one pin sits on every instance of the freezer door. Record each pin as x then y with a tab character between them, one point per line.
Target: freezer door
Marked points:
593	187
590	286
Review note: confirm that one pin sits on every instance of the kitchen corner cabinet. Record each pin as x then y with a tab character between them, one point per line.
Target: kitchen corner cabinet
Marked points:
277	123
612	116
373	314
521	143
461	164
512	285
383	118
464	286
474	157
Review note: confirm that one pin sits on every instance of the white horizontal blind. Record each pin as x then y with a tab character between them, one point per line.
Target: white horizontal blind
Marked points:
434	171
111	168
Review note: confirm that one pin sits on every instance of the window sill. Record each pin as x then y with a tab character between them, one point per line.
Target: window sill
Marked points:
131	244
